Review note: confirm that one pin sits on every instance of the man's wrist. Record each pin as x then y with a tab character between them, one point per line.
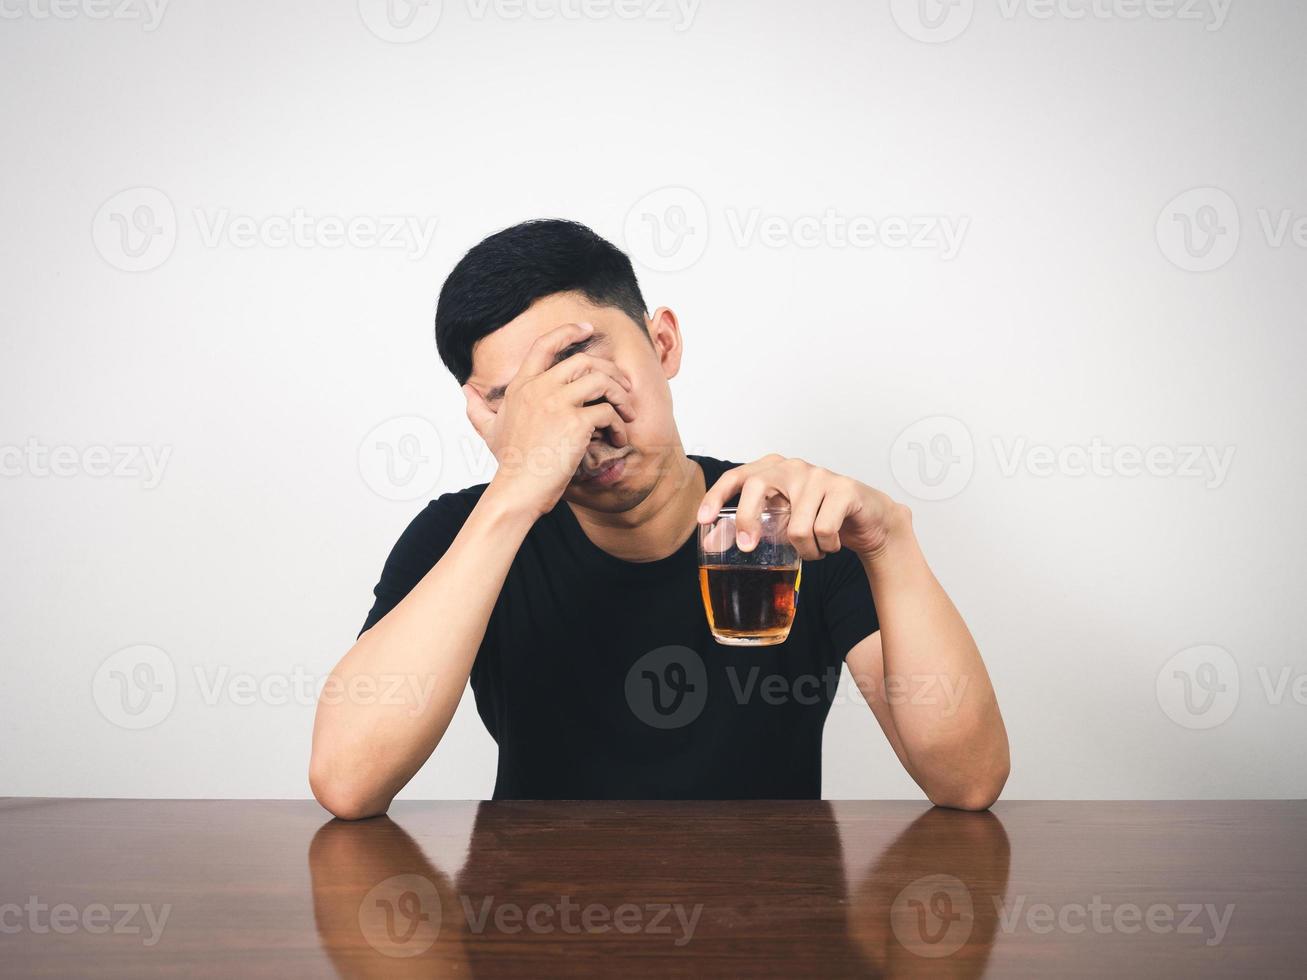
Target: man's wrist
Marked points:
507	506
898	537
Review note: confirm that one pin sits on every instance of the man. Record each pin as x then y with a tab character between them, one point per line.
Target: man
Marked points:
572	574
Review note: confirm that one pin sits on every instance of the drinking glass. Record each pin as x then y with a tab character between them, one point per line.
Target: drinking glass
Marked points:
749	596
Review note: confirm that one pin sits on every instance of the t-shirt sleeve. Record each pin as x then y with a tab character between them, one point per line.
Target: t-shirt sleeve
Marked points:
423	543
848	607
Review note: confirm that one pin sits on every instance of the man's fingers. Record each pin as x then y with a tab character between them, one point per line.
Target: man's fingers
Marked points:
604	416
478	412
726	487
581	363
595	385
803	516
748	512
540	358
830	518
718	538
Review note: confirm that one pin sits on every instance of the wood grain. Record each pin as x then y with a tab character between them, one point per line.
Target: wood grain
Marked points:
783	889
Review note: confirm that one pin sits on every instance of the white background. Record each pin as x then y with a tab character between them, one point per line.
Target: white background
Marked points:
1074	310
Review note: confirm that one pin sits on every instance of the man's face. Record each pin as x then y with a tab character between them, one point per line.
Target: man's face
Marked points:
653	442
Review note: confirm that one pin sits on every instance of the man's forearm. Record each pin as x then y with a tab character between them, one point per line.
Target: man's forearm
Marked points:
390	699
950	726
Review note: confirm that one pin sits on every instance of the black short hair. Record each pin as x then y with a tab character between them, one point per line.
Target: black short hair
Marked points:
502	276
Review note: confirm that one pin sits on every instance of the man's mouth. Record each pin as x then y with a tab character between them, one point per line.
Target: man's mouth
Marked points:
602	475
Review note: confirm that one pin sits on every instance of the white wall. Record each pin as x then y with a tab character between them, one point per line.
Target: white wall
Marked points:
1055	147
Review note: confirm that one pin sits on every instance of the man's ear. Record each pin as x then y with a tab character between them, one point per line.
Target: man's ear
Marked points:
665	335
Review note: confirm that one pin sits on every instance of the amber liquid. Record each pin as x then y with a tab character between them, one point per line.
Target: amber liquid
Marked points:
749	605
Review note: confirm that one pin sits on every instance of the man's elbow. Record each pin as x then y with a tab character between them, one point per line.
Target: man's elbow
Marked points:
346	799
979	793
968	800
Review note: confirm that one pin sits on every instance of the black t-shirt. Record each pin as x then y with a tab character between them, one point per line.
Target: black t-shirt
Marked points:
598	677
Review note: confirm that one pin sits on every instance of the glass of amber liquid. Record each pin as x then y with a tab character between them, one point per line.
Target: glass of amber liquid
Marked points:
750	596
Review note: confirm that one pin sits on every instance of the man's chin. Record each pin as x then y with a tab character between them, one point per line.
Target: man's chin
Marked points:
609	488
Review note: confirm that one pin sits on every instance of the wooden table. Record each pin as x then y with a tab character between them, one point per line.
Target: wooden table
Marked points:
247	889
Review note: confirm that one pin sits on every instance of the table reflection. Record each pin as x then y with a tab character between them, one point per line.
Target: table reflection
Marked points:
659	889
928	905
